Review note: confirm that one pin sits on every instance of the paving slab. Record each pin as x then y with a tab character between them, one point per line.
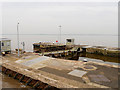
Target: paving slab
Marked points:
36	60
77	73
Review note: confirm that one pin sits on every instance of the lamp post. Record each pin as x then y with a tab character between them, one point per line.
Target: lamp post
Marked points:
60	32
18	38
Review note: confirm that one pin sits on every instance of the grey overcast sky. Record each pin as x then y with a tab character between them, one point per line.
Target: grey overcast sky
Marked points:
86	17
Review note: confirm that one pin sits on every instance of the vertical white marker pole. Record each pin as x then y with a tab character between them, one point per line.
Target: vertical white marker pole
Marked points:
60	33
18	37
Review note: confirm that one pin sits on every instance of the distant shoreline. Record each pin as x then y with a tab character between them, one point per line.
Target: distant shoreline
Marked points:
69	34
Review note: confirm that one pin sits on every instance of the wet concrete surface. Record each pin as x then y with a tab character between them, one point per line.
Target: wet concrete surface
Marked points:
64	67
109	75
8	82
62	73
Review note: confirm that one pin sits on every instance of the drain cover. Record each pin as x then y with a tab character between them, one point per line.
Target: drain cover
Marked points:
88	67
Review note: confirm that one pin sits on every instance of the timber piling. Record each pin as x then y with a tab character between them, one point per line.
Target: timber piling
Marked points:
27	80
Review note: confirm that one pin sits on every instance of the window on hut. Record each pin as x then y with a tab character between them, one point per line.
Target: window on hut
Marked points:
69	40
8	43
2	44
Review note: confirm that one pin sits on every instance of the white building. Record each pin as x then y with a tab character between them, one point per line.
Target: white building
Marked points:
5	45
70	41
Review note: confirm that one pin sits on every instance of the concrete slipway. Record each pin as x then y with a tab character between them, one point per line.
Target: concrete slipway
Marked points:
62	73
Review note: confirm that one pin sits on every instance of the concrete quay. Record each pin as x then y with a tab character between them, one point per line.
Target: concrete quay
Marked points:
60	73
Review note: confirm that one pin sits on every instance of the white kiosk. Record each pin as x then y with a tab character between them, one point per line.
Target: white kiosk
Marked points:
70	41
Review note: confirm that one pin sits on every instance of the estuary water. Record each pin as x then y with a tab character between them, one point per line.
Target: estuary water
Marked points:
81	39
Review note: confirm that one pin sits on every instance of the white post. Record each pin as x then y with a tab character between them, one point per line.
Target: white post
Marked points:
18	38
60	33
23	47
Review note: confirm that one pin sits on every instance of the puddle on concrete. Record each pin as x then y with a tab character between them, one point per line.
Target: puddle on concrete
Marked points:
104	75
61	73
99	78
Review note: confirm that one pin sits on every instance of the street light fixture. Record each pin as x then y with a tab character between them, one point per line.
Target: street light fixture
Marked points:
18	37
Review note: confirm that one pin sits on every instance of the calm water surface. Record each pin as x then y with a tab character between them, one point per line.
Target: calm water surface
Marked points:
104	40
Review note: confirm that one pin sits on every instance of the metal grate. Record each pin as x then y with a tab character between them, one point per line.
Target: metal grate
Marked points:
77	73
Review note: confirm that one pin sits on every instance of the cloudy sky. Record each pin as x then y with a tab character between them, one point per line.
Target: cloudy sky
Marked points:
75	16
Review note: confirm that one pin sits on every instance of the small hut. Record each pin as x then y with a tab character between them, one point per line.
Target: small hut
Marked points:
70	41
5	45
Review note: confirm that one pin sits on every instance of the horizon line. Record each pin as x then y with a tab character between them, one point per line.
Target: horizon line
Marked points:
58	34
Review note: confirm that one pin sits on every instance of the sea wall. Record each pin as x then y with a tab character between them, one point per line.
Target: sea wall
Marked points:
101	50
48	47
104	51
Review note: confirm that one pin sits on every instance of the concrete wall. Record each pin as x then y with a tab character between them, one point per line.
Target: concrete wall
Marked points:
103	51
